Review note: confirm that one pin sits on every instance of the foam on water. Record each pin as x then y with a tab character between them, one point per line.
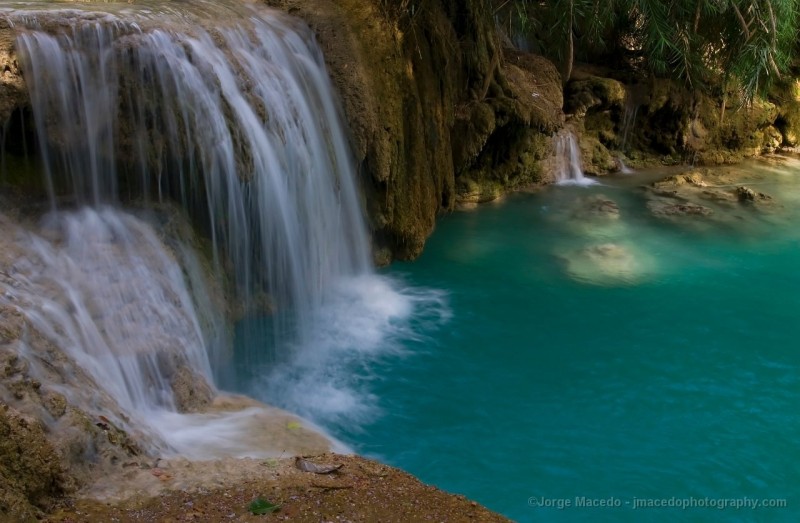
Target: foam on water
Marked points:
326	376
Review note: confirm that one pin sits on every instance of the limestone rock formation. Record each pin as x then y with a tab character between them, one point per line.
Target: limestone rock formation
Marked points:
711	198
439	111
12	86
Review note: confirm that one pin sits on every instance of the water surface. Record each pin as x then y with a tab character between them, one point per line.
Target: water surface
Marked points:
675	376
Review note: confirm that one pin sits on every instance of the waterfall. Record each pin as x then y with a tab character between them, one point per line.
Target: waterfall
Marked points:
623	168
568	160
635	96
238	124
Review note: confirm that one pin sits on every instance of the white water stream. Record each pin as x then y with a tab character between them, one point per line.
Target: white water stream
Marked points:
568	160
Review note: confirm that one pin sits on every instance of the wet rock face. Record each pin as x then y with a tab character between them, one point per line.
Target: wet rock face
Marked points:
439	112
191	392
58	429
31	471
658	121
12	87
41	433
589	93
504	141
435	107
597	105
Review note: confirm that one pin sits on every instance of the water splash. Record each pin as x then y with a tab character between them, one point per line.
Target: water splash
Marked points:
368	319
568	160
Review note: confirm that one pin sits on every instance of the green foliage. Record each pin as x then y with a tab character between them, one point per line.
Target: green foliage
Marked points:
261	506
701	42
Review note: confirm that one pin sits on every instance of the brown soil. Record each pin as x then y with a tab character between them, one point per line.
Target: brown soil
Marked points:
362	490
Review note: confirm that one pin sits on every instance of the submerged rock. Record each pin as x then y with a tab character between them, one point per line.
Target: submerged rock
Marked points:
666	209
714	195
607	264
747	194
595	218
596	206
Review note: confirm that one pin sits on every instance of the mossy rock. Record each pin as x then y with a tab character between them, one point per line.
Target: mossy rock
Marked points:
12	324
471	191
30	468
772	141
474	125
597	159
592	94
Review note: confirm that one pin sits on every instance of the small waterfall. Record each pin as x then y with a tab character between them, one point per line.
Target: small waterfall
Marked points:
568	160
629	116
623	168
103	288
232	115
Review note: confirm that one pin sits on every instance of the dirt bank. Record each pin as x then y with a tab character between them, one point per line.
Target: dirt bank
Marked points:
361	490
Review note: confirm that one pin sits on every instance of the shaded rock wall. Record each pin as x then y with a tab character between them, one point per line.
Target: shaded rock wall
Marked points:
438	112
787	98
659	121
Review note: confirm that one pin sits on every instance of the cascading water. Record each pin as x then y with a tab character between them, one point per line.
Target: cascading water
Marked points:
628	120
239	125
568	160
103	288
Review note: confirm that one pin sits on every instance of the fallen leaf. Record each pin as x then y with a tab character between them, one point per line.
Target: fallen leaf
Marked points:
307	466
161	474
